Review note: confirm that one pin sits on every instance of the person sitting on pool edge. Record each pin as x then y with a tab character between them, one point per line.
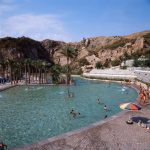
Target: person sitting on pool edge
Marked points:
3	146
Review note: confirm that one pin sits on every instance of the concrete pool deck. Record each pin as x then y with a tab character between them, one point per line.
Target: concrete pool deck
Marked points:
111	134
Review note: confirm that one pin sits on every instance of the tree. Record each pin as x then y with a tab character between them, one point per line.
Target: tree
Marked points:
83	62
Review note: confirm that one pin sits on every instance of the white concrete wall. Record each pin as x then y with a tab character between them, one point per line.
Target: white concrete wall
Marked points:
110	74
131	73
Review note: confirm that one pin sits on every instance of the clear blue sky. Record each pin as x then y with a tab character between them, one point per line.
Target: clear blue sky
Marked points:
71	20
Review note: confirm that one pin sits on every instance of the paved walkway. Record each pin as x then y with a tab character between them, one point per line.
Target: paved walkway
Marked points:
111	134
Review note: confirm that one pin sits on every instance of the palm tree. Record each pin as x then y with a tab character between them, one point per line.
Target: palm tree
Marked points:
45	66
29	61
16	71
43	70
25	69
34	69
10	68
20	68
48	66
2	68
39	66
70	53
55	71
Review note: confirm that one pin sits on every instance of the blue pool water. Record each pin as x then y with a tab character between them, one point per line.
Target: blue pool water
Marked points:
40	112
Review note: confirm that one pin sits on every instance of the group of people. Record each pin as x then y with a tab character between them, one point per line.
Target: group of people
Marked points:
105	106
142	124
75	113
143	95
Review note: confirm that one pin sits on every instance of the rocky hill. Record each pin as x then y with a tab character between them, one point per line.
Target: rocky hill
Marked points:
20	48
106	49
110	49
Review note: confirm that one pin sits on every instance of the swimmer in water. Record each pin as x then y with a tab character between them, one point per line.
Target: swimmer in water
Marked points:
105	116
109	84
71	95
105	108
74	114
98	101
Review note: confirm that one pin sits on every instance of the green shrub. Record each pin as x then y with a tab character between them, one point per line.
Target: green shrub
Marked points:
141	63
83	62
123	67
147	63
147	38
98	65
115	62
126	56
136	63
136	54
107	63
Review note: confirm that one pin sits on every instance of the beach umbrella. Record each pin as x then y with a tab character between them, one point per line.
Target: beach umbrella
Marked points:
130	106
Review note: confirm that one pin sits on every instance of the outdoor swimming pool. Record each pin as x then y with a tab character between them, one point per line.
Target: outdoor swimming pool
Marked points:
40	112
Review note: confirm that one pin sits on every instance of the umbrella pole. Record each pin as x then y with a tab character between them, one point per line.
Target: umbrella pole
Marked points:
130	116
